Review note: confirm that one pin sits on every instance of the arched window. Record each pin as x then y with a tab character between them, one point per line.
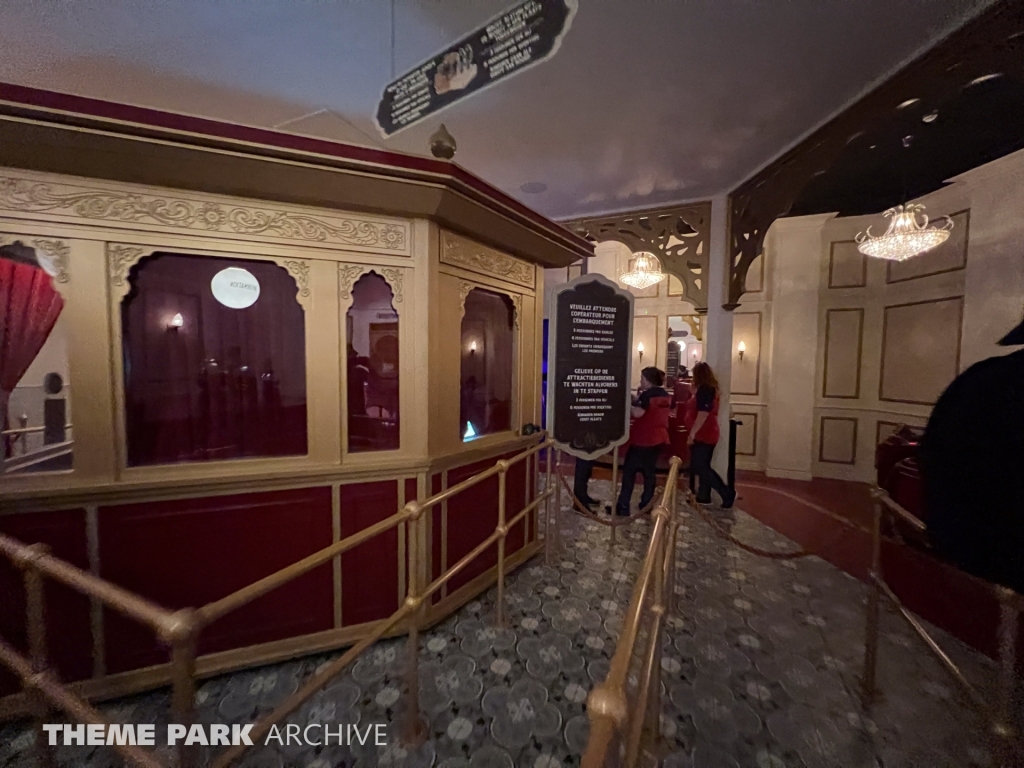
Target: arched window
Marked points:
372	367
488	364
214	361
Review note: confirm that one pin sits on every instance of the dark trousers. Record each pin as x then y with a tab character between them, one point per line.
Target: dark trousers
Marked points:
700	467
584	469
644	460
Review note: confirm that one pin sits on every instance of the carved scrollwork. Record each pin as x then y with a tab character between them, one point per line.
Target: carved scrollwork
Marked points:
678	236
120	259
517	307
464	289
27	195
300	271
394	278
347	275
54	252
472	256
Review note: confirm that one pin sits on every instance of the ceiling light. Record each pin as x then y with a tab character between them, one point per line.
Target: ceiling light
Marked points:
644	271
907	103
905	237
931	117
985	78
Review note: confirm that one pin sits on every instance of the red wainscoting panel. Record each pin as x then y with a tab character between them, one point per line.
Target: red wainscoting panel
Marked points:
472	517
67	612
189	552
369	573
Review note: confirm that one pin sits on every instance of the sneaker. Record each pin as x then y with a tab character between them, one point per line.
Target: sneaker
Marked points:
729	500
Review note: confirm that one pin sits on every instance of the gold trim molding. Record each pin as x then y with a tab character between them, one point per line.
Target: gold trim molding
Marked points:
120	260
23	195
474	257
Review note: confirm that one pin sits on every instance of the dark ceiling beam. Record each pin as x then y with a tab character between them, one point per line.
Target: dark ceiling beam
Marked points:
992	42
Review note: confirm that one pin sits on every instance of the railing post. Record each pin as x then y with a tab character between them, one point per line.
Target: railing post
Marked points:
1008	619
652	707
871	628
183	635
414	730
502	532
550	491
35	624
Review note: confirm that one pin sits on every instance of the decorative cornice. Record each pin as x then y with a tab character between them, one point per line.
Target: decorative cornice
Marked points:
25	195
121	258
474	257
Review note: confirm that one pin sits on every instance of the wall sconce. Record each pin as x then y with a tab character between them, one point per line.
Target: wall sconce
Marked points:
741	349
176	322
472	347
640	351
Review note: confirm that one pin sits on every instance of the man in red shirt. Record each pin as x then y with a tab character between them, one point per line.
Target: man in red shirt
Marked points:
647	436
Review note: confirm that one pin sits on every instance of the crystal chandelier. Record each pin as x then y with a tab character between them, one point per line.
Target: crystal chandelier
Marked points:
905	237
644	271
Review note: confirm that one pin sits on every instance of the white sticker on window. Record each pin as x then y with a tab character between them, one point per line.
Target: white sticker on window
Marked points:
235	287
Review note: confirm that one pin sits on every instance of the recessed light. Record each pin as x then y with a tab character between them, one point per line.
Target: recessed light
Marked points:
872	146
931	117
985	78
907	103
534	187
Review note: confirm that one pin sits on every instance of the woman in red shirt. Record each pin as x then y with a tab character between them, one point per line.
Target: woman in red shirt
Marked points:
702	421
647	436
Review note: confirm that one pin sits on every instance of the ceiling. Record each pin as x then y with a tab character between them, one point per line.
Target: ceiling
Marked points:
645	104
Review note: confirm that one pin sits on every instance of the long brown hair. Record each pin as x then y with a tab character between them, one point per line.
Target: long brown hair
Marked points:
703	376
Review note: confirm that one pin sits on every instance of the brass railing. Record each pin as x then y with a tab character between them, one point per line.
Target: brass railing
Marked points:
181	629
1011	604
621	729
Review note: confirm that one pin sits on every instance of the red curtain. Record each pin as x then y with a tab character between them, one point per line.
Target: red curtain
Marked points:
29	308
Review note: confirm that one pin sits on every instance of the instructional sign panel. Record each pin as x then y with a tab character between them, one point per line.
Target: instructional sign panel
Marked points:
590	338
526	34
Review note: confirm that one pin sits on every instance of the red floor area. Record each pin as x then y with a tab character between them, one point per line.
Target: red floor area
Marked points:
832	519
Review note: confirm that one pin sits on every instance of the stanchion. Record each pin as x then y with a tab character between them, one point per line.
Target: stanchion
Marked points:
731	473
36	626
502	532
871	629
548	458
615	486
414	730
183	637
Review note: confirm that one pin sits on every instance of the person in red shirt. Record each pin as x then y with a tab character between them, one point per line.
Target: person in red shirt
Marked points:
702	421
647	436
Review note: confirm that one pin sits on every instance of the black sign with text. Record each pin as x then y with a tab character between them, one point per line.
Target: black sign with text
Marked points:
522	36
589	370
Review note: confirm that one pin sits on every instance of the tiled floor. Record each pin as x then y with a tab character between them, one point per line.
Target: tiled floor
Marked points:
760	669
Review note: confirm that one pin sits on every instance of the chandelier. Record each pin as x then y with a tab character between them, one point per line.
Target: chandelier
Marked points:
644	271
905	237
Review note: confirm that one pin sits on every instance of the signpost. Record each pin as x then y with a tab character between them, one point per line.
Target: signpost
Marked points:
524	35
589	342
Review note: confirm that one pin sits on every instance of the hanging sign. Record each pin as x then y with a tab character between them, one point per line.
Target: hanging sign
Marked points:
235	288
590	336
526	34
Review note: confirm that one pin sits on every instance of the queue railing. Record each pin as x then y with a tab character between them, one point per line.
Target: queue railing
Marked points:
624	723
181	629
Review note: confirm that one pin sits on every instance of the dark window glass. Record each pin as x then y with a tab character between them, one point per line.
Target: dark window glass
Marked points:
372	336
208	376
488	362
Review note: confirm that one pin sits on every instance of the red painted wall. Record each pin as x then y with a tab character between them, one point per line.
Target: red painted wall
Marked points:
69	635
189	552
